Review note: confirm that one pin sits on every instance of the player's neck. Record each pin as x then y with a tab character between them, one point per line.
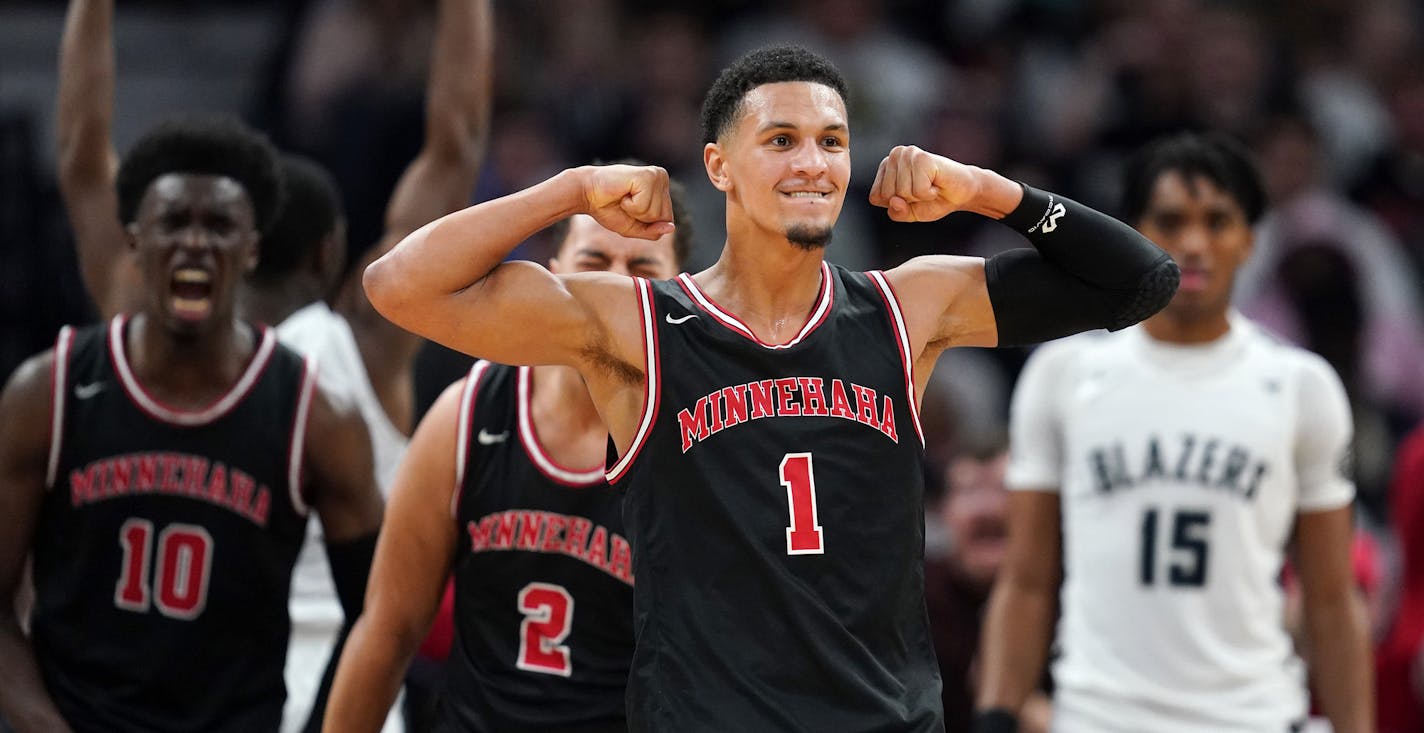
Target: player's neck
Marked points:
560	390
771	286
271	303
566	425
188	372
1187	328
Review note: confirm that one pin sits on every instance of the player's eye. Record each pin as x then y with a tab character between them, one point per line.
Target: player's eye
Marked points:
781	141
831	141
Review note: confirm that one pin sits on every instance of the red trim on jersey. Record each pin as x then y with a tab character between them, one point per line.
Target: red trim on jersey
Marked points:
726	318
178	416
462	431
296	450
58	386
902	339
529	436
652	381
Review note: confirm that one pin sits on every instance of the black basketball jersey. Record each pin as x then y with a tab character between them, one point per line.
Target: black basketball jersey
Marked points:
774	502
165	543
543	576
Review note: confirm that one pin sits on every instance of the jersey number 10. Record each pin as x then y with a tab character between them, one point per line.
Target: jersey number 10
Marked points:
185	555
1189	548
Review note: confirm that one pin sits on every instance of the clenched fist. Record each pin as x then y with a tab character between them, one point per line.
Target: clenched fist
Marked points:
915	185
630	200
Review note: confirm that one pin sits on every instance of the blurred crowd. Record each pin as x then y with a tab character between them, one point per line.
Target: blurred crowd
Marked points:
1329	94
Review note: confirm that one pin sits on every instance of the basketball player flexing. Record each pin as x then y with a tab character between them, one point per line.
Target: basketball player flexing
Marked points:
543	579
764	411
1177	461
161	467
362	356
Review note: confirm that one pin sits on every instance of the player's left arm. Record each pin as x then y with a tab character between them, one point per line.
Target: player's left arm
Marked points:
408	576
442	175
24	447
341	488
1087	270
1336	628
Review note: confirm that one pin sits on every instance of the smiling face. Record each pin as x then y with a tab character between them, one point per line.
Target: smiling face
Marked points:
1205	230
195	239
785	163
588	247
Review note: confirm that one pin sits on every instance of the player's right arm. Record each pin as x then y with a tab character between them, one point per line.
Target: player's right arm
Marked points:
1018	624
445	281
24	449
407	578
86	157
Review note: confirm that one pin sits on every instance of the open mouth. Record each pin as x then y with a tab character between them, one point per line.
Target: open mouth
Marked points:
1193	279
191	293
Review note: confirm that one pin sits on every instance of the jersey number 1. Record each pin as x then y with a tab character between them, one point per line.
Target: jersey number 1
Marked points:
185	555
803	537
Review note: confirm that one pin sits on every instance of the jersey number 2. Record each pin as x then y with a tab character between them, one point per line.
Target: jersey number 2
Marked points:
185	555
548	615
803	537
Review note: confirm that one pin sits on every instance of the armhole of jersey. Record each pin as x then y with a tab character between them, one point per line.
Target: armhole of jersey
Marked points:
58	385
902	339
299	435
462	431
652	381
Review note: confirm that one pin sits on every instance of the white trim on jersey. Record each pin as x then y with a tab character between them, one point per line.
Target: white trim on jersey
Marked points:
902	339
178	416
530	438
296	451
462	430
818	314
650	381
59	379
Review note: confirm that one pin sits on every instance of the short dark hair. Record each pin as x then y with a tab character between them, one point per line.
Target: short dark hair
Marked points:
681	217
219	146
763	66
1214	156
309	212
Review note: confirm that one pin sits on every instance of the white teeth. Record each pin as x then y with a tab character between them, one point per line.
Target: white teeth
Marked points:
805	194
192	275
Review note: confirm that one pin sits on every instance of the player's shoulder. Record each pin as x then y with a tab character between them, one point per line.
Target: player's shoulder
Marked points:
1074	351
1282	354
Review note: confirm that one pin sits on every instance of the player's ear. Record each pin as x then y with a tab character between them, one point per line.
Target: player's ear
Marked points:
714	159
253	252
131	235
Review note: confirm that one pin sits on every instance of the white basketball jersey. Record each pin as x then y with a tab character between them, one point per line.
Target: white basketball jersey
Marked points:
316	613
1181	471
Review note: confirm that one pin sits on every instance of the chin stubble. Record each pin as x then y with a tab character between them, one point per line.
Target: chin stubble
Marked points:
808	237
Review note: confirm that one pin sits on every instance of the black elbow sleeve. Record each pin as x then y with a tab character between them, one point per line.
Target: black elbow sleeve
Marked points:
1035	301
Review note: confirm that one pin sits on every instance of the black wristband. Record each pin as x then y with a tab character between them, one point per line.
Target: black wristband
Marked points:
995	720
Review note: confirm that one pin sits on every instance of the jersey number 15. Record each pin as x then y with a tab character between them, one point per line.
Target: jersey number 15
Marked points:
1188	550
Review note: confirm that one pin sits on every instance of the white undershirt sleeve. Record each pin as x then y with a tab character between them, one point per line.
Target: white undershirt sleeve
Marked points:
1035	439
1324	428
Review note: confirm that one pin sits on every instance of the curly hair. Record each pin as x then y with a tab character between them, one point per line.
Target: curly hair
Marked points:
308	213
1214	156
768	65
219	146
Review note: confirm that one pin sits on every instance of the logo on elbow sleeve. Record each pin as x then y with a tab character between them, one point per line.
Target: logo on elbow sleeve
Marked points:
1055	213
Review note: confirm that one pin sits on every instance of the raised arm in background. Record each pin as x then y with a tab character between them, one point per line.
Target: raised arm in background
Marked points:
438	181
86	157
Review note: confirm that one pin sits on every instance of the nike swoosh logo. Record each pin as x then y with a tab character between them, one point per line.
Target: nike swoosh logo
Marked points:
487	438
85	391
684	319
